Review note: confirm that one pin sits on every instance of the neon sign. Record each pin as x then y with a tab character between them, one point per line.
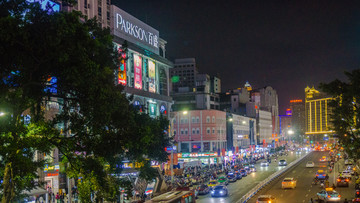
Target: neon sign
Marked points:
138	72
296	101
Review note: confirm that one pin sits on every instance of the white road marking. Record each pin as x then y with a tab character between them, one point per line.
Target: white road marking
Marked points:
306	195
309	190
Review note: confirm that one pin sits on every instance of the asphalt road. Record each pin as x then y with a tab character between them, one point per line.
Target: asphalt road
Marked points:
304	176
241	187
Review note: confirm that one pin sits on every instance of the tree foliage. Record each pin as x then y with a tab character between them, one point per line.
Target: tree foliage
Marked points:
346	111
99	127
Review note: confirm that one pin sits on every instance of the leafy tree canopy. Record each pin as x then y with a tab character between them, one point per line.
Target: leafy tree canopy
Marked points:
346	111
66	59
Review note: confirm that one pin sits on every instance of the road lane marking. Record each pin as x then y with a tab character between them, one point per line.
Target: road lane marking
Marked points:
306	195
309	190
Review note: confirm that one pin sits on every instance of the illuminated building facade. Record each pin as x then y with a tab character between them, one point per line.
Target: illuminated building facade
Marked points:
317	113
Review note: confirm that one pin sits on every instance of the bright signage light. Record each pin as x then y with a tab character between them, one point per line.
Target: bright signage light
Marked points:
138	72
47	5
133	30
122	67
152	87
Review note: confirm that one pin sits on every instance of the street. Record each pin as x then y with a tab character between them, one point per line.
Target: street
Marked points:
304	190
241	187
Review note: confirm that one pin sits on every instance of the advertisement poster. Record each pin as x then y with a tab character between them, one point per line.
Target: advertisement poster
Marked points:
152	87
122	69
137	72
152	109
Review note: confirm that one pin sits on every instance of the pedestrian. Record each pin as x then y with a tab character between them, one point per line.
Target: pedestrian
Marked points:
57	197
41	199
345	201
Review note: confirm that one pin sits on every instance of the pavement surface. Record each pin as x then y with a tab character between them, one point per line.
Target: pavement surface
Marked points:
241	187
304	176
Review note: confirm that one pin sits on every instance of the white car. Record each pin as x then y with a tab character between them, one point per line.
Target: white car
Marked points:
264	163
346	174
288	183
310	164
266	199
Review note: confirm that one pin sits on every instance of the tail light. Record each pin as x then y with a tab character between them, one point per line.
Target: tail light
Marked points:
329	196
347	180
357	192
338	180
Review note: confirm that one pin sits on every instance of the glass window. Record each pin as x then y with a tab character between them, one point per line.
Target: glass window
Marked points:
213	131
174	132
186	131
193	131
213	119
193	119
208	131
197	119
207	119
182	131
197	131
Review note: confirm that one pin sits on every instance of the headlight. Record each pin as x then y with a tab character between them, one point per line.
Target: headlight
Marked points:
212	192
221	192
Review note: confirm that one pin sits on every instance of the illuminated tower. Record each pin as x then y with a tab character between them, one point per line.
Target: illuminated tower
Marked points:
317	114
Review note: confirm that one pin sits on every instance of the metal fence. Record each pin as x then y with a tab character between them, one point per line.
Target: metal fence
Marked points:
268	180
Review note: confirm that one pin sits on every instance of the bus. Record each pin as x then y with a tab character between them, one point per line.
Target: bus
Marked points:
174	197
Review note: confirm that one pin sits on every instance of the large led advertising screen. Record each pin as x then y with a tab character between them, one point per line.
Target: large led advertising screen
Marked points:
137	72
152	87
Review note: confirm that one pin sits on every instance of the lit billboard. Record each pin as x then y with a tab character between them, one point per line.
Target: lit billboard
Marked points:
122	68
152	109
129	28
152	87
47	5
137	72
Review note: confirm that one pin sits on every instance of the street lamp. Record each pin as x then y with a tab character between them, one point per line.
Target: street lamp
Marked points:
185	112
2	114
291	132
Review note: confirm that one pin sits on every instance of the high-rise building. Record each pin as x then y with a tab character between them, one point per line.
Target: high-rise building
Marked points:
192	90
297	107
266	99
317	114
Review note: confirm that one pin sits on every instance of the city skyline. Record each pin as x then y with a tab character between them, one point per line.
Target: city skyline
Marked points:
286	45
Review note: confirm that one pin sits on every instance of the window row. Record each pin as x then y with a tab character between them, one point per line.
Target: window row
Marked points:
196	120
196	131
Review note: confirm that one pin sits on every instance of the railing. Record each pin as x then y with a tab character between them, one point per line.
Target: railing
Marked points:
268	180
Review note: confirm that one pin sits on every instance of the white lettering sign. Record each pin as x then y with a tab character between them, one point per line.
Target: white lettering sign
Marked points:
131	29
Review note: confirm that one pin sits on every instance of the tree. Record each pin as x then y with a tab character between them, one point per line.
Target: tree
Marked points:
345	111
56	57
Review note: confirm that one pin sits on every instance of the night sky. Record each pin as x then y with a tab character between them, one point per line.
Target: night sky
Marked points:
284	44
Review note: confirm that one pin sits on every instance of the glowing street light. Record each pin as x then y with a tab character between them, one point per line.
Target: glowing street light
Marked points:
290	132
244	122
230	119
2	114
185	112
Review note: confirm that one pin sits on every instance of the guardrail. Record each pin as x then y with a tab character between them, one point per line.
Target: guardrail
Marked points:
268	180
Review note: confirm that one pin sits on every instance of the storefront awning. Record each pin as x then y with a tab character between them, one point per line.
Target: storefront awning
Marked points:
35	192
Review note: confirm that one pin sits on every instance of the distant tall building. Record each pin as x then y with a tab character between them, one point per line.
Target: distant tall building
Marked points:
192	90
317	113
297	107
183	75
267	100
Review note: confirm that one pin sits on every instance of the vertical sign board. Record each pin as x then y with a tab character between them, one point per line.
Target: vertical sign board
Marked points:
129	28
152	87
137	72
122	67
152	109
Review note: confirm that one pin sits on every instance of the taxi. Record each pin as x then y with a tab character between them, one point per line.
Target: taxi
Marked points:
323	159
223	180
212	184
288	183
321	175
329	195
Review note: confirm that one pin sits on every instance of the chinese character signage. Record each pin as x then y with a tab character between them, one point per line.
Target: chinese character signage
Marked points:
152	87
197	154
137	72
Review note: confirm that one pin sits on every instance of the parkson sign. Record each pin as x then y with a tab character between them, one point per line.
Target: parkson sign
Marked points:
133	30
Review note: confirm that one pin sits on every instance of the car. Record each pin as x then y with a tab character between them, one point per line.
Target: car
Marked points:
356	200
203	189
266	199
212	184
346	174
298	152
223	180
238	175
323	159
243	172
231	177
252	168
219	191
248	170
282	162
321	175
246	166
288	183
342	181
310	164
348	162
328	195
264	163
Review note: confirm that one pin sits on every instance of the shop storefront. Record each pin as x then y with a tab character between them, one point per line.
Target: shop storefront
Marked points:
205	157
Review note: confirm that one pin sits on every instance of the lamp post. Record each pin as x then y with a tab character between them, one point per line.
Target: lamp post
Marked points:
2	113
